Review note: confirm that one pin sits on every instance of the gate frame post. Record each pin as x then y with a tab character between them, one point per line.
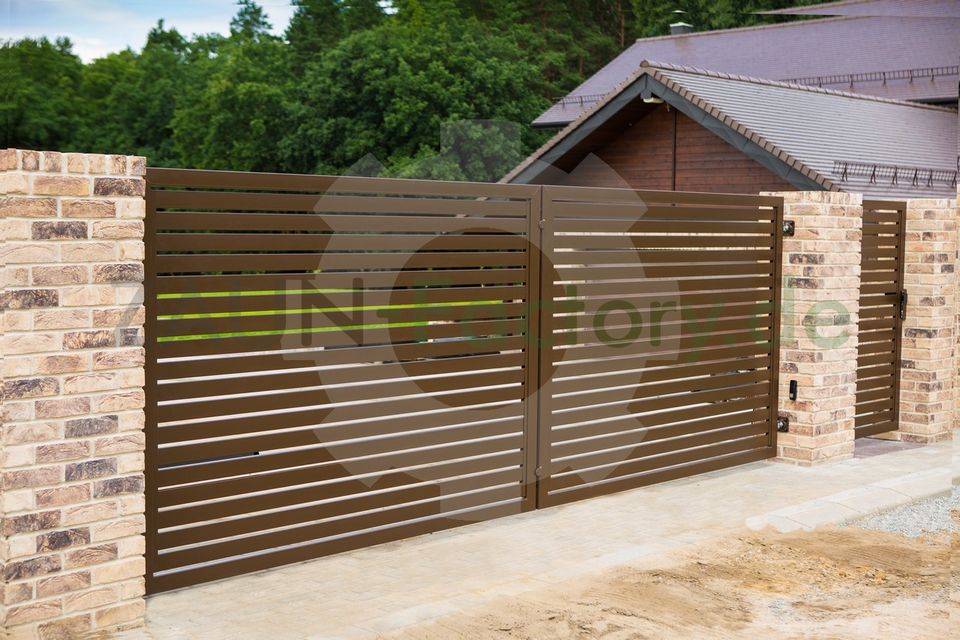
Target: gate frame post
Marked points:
71	503
531	496
819	316
928	364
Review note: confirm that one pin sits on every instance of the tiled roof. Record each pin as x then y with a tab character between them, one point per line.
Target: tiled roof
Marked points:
872	55
902	8
816	131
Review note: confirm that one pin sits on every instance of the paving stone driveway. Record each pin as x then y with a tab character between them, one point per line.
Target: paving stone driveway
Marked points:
379	589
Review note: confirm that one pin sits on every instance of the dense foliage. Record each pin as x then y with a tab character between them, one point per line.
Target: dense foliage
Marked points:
429	88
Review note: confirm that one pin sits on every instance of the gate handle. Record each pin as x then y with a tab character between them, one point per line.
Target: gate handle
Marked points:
903	304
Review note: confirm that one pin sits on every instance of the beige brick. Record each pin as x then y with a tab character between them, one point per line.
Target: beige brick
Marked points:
119	317
30	160
8	159
131	208
131	250
87	513
136	165
76	163
122	613
61	186
87	296
32	612
62	407
119	401
118	359
36	477
61	319
14	183
27	207
62	451
59	496
19	343
13	321
88	251
117	571
60	275
118	229
18	592
63	583
88	208
96	163
92	599
90	382
66	628
98	554
34	432
29	252
52	161
63	363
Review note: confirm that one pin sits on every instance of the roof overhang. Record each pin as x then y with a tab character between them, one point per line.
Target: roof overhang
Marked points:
576	136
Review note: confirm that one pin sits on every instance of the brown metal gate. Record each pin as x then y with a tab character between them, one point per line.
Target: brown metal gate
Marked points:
882	304
662	325
335	362
338	362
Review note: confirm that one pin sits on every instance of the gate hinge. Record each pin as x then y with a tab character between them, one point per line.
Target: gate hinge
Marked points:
783	424
538	471
541	223
789	228
903	304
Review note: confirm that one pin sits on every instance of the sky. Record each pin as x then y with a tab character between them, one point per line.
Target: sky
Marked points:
98	27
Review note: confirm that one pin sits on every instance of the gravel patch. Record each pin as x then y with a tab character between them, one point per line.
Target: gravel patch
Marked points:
917	518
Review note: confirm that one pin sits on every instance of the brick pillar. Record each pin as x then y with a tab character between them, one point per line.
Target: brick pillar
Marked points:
818	343
71	509
929	332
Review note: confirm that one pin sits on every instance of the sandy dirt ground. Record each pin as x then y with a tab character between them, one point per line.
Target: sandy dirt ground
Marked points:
830	583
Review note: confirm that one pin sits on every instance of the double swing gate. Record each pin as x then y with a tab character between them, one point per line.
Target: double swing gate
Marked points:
339	362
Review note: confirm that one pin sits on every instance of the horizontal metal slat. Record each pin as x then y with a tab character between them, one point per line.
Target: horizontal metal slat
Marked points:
234	221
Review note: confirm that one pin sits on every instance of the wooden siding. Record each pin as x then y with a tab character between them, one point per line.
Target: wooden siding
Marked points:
642	157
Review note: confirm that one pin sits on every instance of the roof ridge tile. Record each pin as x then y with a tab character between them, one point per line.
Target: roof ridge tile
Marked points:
779	83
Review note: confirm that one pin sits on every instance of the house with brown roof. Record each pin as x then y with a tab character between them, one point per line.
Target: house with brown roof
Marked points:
839	103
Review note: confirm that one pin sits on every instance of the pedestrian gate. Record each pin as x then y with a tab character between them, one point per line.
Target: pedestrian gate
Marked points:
339	362
882	310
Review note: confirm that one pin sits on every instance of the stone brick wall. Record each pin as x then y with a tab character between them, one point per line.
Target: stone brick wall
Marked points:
71	465
929	368
821	302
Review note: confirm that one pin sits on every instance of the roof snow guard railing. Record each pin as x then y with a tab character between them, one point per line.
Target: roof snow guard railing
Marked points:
580	100
878	76
898	175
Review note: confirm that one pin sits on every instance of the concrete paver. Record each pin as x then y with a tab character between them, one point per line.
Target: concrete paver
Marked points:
359	594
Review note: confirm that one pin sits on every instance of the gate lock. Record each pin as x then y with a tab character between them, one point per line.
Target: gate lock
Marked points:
903	304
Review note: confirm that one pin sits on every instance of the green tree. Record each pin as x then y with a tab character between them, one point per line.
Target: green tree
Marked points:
128	100
234	113
38	84
389	91
250	22
316	26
